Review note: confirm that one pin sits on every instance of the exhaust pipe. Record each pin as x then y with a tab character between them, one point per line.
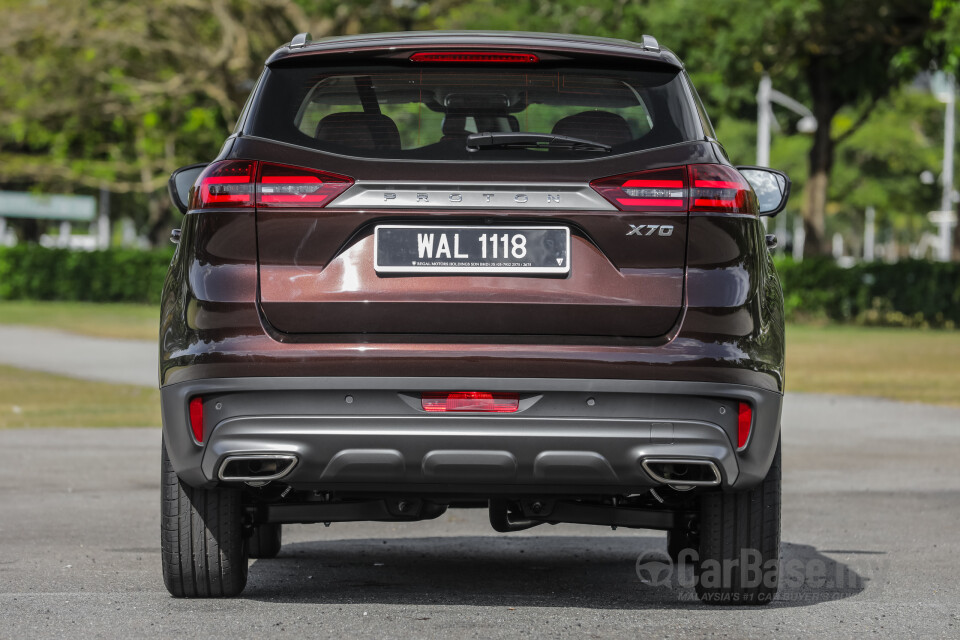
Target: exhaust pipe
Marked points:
257	469
682	474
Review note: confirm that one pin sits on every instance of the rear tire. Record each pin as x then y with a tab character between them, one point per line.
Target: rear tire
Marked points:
739	561
266	540
203	549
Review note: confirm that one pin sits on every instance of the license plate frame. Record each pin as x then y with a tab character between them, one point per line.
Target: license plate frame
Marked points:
400	249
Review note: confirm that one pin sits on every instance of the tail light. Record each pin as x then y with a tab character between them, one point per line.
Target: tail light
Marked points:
225	184
495	57
480	401
699	187
744	423
717	187
283	186
248	183
660	190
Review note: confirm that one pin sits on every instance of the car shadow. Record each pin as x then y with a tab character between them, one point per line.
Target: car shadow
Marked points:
526	571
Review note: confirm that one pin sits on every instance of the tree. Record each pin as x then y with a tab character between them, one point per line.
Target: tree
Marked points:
117	94
835	54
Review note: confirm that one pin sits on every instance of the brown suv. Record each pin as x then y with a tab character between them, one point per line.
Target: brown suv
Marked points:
509	271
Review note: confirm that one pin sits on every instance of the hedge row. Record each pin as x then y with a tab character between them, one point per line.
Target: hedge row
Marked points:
33	272
909	293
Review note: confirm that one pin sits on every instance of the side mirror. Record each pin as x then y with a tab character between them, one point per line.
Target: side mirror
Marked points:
180	183
771	186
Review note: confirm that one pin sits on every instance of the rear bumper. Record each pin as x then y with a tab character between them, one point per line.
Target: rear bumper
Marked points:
370	435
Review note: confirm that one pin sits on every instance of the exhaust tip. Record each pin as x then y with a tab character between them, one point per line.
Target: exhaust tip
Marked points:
257	469
682	473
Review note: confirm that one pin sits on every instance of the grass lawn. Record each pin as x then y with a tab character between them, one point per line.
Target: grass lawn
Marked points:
137	321
902	364
34	399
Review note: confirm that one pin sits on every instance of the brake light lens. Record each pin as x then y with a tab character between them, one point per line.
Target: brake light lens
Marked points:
496	57
196	418
660	190
744	423
478	401
283	186
700	187
248	183
719	188
225	184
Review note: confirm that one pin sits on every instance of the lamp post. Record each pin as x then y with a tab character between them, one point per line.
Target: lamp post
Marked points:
766	96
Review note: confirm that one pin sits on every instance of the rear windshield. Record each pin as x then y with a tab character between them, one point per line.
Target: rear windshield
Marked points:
428	113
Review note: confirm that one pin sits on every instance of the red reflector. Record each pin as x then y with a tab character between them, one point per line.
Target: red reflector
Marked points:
470	401
744	422
474	56
196	418
659	190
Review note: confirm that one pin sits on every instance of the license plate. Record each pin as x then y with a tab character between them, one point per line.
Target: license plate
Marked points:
469	249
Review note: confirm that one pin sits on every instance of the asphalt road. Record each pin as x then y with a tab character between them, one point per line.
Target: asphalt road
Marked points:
871	514
62	353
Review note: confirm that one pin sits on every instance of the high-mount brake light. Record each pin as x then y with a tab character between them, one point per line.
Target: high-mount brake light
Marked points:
477	401
719	188
658	190
248	183
496	57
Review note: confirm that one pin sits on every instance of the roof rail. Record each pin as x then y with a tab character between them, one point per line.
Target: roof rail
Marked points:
301	39
650	43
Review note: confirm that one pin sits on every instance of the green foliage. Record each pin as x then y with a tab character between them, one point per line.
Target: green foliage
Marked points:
31	272
912	293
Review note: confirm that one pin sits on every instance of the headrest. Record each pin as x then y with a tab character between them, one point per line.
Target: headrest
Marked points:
598	126
454	125
360	131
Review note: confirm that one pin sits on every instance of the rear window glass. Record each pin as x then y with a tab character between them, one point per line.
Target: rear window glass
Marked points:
427	113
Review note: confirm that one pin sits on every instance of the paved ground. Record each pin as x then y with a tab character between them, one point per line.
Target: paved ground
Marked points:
872	510
102	359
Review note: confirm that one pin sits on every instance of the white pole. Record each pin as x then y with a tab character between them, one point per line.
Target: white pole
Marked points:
946	201
837	246
65	231
103	220
763	121
3	231
799	236
869	233
764	113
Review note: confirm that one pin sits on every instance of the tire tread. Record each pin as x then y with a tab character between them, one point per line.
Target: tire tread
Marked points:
201	538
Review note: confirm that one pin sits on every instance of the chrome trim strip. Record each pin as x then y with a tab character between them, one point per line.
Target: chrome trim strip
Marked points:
471	195
688	461
291	459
